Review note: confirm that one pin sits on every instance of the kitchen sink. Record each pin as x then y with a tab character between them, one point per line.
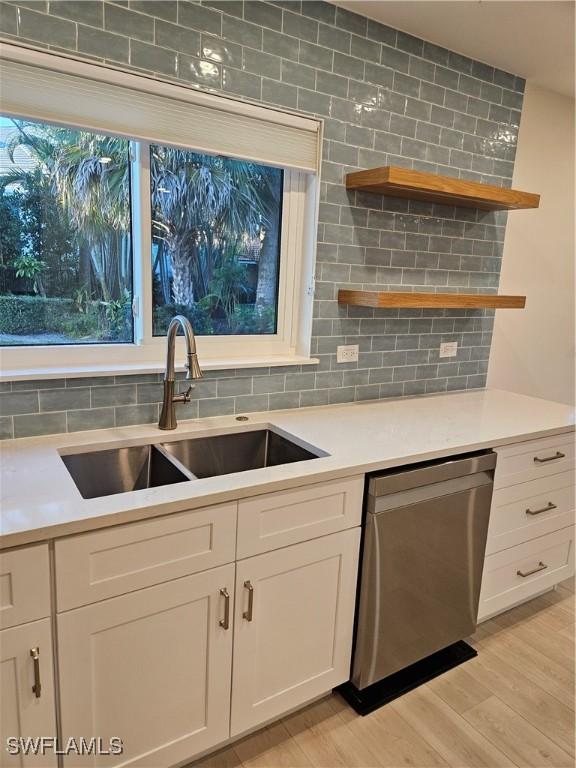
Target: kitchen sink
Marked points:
236	452
119	470
103	473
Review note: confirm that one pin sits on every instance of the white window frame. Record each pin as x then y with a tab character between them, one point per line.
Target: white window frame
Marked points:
289	345
284	341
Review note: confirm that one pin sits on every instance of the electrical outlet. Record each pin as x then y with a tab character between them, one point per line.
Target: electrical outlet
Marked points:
347	354
449	349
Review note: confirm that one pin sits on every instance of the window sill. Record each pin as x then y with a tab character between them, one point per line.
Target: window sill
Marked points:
117	369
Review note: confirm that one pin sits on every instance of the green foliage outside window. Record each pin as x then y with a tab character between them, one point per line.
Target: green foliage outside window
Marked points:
65	238
65	219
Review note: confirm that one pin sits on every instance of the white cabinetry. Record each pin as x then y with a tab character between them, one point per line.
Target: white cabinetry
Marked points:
152	668
277	520
153	618
24	585
294	618
94	566
530	544
27	702
27	690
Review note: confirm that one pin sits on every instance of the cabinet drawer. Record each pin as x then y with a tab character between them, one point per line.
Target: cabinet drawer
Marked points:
279	519
544	562
522	462
528	510
95	566
24	585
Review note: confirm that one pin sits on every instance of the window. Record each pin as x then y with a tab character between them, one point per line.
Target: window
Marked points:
66	257
125	200
216	232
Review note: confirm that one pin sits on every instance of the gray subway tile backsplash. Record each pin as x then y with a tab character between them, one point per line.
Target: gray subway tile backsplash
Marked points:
233	387
162	9
46	28
219	406
268	384
8	19
12	403
169	35
386	98
91	418
136	414
96	42
191	14
128	23
118	394
31	425
147	56
85	11
64	399
263	14
251	403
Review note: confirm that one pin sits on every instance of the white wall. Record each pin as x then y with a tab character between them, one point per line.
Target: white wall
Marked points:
533	349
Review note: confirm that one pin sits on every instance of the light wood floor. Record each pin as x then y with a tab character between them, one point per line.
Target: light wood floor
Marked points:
513	705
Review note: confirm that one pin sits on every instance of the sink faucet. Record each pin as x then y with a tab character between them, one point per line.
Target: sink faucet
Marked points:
168	415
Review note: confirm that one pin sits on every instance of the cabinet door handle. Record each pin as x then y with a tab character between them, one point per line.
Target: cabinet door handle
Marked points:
37	687
225	622
540	567
547	508
557	455
248	614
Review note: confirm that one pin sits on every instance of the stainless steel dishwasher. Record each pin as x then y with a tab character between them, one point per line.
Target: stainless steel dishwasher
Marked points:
422	559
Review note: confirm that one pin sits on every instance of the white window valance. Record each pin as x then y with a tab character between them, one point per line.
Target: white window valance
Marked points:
58	89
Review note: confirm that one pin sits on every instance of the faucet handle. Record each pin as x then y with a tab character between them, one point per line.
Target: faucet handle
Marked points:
183	397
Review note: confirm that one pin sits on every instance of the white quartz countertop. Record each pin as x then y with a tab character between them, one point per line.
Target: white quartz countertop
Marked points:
39	499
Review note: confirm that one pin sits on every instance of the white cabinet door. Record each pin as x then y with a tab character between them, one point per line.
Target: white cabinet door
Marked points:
294	617
24	714
152	668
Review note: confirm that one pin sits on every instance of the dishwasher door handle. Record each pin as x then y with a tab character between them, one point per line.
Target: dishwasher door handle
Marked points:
379	505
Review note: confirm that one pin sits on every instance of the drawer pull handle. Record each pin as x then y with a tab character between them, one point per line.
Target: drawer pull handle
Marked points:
557	455
37	687
547	508
248	614
225	622
540	567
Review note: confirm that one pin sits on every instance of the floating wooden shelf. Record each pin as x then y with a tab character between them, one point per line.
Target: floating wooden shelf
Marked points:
401	182
413	300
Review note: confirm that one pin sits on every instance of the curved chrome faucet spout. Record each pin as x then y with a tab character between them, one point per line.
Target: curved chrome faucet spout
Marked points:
168	414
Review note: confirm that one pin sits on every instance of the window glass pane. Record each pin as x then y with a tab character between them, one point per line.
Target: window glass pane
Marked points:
215	242
65	244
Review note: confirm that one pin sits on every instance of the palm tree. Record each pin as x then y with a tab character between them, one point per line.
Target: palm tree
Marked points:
269	254
89	174
202	208
202	205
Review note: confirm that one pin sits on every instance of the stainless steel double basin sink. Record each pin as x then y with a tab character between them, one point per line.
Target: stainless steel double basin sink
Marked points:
119	470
